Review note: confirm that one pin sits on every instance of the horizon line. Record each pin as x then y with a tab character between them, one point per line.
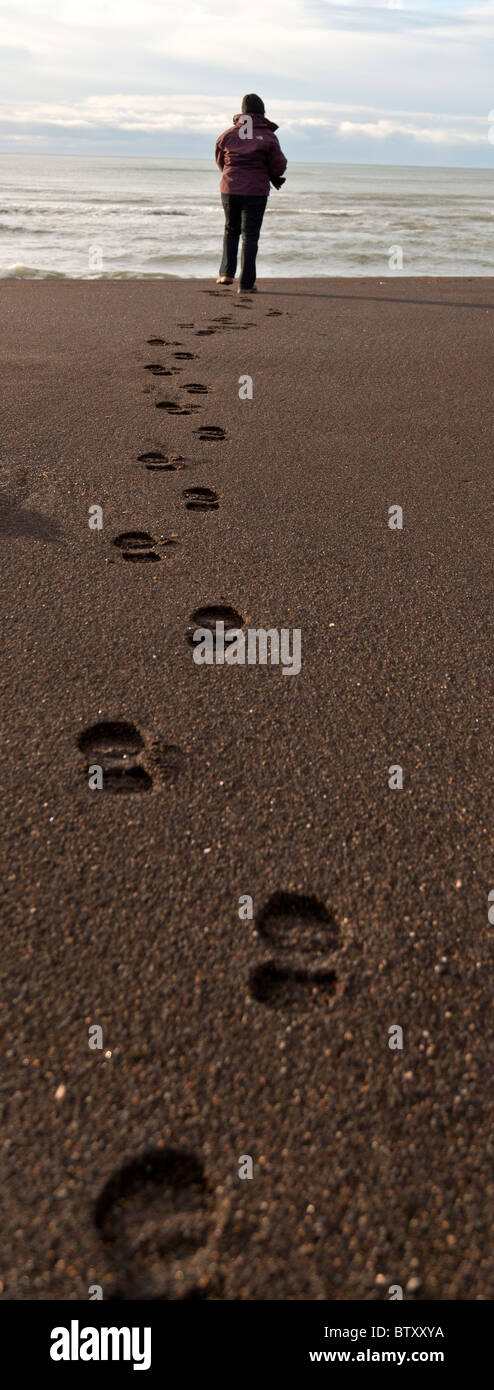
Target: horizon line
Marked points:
335	163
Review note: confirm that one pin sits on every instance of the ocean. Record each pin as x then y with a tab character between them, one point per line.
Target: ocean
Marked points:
118	218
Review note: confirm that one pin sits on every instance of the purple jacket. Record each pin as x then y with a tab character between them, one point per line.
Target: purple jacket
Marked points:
248	164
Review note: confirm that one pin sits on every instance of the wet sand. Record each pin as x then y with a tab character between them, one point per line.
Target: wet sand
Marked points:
265	1037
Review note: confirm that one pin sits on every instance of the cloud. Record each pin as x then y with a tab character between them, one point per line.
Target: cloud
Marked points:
472	131
259	35
102	71
383	130
202	114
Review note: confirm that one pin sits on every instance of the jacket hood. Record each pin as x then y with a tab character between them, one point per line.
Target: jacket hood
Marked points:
258	120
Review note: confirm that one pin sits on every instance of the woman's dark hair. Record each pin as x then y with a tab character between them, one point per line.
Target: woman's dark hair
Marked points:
252	105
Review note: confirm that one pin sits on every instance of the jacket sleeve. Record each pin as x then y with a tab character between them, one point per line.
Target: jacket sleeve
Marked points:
219	154
276	159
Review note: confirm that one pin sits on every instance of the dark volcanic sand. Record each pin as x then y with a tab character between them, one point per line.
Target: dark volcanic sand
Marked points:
371	1167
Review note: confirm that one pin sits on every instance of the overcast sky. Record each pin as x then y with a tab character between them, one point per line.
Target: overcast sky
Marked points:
386	81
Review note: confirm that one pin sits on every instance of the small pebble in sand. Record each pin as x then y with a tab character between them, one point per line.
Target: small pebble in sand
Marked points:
414	1284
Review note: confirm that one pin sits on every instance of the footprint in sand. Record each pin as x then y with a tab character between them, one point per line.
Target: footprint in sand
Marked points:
303	938
210	433
156	369
137	546
209	616
155	461
157	1217
200	499
128	761
174	407
185	356
194	388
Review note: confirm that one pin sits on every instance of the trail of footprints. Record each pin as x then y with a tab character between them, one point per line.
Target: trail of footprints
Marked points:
158	1214
117	752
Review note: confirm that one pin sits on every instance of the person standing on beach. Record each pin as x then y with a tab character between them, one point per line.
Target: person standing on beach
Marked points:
250	158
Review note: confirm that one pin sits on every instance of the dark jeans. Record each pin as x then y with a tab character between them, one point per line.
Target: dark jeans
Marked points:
243	216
